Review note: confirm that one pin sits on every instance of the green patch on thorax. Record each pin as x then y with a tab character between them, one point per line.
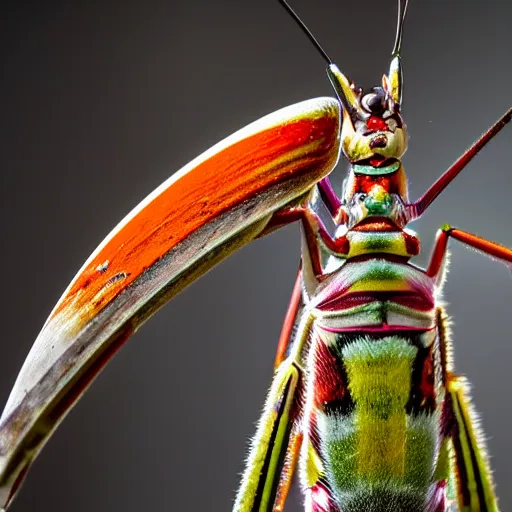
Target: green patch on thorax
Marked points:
379	241
381	270
379	205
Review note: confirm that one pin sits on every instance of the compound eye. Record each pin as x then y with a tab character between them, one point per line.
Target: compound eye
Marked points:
373	103
368	101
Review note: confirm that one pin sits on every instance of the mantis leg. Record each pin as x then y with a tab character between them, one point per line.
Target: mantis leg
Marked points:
463	460
276	445
286	340
290	321
470	468
492	249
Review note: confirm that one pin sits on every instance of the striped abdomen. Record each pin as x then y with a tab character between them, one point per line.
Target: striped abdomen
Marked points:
373	414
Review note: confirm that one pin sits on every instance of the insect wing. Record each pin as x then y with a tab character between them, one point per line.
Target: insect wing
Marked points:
217	203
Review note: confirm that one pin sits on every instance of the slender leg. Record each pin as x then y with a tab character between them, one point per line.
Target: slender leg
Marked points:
445	497
475	489
313	227
463	469
286	338
329	197
283	474
261	478
289	465
275	447
492	249
416	209
291	456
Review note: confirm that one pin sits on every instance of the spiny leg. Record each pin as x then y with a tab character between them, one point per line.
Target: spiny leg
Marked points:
290	463
463	457
286	340
276	445
475	489
470	476
260	481
269	469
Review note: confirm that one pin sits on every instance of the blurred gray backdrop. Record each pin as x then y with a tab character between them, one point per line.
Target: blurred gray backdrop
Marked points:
102	102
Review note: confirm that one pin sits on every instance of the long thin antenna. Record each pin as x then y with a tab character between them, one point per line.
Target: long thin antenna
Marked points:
402	10
306	30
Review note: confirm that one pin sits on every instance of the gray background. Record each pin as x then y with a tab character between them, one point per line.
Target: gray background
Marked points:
101	103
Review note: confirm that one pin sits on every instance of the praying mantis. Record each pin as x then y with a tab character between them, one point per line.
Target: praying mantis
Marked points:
414	178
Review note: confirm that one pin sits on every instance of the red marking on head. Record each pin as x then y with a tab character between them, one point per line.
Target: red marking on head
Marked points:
376	124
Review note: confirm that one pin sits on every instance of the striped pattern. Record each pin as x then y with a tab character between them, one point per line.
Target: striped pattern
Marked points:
374	394
214	205
271	161
387	425
371	449
474	487
375	292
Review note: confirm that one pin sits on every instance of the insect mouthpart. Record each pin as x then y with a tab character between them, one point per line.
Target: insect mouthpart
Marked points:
377	161
380	141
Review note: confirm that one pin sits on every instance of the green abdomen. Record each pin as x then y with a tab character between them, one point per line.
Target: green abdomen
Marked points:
374	419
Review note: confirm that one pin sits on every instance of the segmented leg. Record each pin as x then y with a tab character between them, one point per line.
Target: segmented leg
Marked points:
475	489
290	321
463	461
261	478
492	249
274	451
286	340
